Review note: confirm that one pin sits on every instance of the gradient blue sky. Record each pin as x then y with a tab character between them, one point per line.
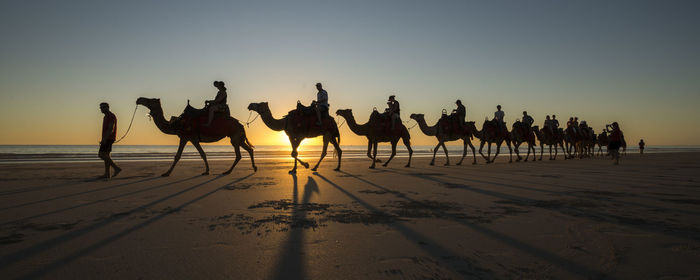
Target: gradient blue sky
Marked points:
635	62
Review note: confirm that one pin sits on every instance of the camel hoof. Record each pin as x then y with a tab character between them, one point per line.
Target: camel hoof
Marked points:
165	174
459	163
314	169
226	173
293	171
407	165
371	167
255	169
432	163
385	164
336	169
205	173
306	165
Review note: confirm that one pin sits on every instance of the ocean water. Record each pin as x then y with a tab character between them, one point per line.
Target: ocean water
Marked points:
88	153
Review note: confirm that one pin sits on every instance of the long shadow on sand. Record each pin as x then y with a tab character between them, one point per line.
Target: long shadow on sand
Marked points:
548	257
98	201
579	193
87	250
79	193
644	225
291	262
435	250
56	241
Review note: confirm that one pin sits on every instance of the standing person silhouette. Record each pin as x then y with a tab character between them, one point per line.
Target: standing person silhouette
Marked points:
219	102
321	103
641	146
109	135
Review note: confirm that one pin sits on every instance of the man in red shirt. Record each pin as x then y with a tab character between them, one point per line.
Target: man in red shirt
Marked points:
109	135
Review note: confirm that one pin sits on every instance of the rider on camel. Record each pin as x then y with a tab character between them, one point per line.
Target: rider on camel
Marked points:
219	102
393	110
321	103
498	116
460	113
528	121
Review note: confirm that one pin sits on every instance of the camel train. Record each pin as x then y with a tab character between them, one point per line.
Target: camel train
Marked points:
211	125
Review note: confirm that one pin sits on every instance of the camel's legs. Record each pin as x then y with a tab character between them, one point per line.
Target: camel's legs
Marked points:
336	146
203	155
481	148
447	157
393	153
323	152
295	145
407	142
374	154
464	152
498	150
488	154
473	151
435	150
369	151
183	142
510	151
517	150
238	158
249	149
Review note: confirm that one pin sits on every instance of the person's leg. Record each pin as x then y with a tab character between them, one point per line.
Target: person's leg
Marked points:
211	116
113	165
318	115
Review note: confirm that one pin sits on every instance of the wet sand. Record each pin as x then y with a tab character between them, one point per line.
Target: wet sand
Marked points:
574	219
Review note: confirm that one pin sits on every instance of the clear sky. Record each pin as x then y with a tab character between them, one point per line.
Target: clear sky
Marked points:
635	62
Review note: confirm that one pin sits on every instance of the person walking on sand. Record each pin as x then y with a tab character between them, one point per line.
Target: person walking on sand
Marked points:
641	146
321	103
615	141
109	135
219	102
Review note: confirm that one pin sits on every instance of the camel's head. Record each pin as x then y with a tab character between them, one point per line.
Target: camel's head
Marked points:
418	117
344	112
259	107
150	103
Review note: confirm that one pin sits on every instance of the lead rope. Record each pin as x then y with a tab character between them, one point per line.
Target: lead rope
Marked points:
130	123
248	122
341	125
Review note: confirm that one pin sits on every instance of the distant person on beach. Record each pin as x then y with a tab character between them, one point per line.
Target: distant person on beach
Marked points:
393	110
109	135
499	116
219	102
460	112
615	141
321	103
641	146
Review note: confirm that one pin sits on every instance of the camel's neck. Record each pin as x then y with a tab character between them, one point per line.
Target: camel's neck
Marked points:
158	118
428	130
271	122
359	129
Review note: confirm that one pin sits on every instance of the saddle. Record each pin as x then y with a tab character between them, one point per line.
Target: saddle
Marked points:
450	124
197	117
305	118
493	128
383	123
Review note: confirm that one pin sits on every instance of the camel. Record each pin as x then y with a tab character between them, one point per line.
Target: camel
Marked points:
546	138
378	130
444	131
572	141
490	134
602	141
189	128
298	126
519	134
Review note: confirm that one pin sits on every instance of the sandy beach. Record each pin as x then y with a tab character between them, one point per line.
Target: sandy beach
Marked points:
575	219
